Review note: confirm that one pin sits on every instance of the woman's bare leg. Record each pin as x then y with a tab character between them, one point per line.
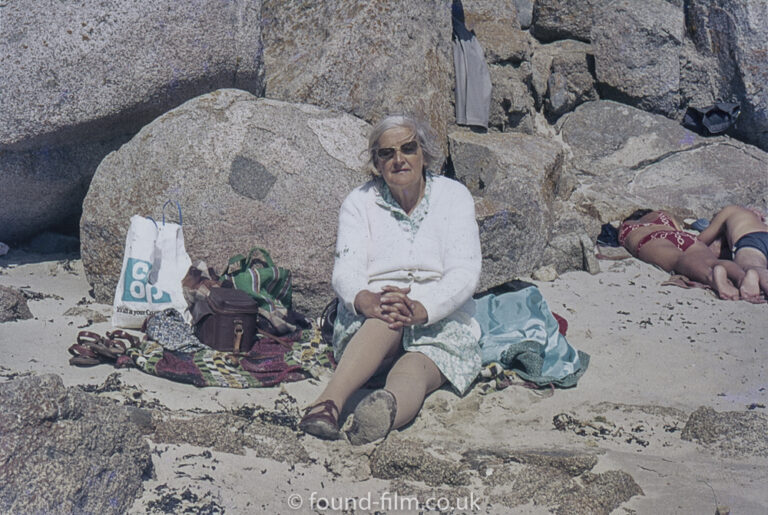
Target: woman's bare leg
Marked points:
722	285
750	286
754	260
763	274
412	378
660	252
700	264
372	345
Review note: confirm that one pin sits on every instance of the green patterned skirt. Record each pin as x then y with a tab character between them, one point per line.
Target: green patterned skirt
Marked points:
451	343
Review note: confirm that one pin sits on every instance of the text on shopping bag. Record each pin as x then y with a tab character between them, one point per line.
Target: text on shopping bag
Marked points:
136	284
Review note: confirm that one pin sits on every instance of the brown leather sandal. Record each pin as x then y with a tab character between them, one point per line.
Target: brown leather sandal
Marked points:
92	349
119	335
323	423
83	356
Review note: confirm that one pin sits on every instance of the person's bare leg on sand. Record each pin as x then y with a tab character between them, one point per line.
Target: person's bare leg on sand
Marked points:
700	264
750	287
756	265
718	280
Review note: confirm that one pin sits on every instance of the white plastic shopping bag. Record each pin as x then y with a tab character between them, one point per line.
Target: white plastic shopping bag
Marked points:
154	264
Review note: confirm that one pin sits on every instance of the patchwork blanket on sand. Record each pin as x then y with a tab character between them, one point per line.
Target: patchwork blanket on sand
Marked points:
522	342
297	356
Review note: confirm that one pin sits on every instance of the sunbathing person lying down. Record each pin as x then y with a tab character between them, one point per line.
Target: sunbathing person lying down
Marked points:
747	236
656	237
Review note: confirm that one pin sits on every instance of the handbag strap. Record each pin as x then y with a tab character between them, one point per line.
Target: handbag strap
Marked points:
178	206
236	264
264	253
240	263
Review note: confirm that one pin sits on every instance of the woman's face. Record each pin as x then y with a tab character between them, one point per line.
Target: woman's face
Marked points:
404	167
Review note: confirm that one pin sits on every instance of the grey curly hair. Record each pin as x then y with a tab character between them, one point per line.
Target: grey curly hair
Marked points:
423	132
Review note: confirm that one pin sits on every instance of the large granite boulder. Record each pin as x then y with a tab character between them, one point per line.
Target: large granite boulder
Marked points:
246	171
79	78
731	41
624	158
637	47
43	188
495	24
65	451
367	58
512	106
565	19
562	76
515	179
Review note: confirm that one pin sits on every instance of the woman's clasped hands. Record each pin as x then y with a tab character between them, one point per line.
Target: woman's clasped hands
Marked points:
393	306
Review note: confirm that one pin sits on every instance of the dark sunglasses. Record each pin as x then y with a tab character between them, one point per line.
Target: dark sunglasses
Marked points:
408	149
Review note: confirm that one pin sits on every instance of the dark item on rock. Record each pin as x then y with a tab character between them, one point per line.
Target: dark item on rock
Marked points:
226	320
711	120
609	236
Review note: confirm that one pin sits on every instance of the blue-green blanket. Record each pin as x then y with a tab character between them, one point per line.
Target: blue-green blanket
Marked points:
520	333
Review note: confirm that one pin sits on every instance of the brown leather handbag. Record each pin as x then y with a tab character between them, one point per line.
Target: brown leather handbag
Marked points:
226	320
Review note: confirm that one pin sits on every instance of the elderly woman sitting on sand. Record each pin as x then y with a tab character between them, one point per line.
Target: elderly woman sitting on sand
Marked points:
747	236
656	237
407	263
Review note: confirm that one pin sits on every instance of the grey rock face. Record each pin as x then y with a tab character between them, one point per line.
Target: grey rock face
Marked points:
512	108
77	79
571	246
403	459
524	12
570	83
561	76
733	433
91	62
246	172
637	47
365	58
561	480
44	187
65	451
624	159
498	31
565	19
516	178
13	305
53	243
731	37
226	432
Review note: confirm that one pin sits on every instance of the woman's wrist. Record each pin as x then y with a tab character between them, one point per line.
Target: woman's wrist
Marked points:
420	315
365	301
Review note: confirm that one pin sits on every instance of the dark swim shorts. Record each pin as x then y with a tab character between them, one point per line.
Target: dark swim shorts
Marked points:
756	240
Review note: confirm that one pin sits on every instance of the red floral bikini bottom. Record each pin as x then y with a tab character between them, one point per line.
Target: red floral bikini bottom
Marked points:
681	239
